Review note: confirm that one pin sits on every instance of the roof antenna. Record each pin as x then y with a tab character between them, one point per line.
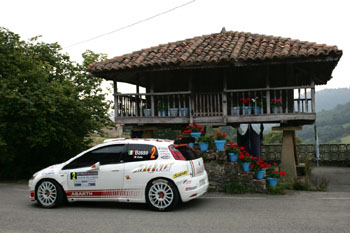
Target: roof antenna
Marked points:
223	30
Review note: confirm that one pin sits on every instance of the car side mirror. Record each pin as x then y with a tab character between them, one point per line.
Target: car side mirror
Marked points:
95	166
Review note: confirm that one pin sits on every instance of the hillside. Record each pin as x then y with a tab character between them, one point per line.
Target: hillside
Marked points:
333	126
328	98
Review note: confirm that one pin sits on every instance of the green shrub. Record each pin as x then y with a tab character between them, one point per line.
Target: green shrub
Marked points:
235	187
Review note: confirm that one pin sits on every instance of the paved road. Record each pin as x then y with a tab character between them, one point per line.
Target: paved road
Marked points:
295	212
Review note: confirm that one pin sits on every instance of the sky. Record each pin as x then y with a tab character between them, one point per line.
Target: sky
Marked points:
71	21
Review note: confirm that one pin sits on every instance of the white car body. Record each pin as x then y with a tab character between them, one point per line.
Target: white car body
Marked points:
126	180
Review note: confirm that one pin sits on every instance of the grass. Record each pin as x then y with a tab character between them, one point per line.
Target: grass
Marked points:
235	187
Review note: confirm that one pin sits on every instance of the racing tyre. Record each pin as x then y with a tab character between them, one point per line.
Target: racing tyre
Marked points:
162	195
49	194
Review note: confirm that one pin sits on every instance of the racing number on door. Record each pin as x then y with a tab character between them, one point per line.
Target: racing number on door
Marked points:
153	152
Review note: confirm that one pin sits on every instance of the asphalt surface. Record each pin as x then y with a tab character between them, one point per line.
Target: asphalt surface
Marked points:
215	212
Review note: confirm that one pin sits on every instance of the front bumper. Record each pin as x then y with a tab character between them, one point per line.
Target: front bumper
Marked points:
194	187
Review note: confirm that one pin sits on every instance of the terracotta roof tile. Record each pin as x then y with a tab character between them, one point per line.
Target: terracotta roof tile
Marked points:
215	48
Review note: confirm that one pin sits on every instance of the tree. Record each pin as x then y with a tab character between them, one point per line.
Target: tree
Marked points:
49	105
275	137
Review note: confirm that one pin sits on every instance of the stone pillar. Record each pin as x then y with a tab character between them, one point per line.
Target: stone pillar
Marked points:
289	157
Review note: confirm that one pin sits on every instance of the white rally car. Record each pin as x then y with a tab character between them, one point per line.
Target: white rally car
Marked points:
150	171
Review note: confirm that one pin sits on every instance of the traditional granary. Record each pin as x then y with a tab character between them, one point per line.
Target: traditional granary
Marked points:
225	78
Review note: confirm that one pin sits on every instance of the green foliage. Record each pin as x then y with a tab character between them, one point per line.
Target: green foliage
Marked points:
235	187
48	105
275	137
332	126
280	189
319	183
300	184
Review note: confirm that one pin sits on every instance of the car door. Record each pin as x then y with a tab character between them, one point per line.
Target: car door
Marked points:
140	165
97	174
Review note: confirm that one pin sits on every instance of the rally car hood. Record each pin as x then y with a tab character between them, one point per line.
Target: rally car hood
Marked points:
53	169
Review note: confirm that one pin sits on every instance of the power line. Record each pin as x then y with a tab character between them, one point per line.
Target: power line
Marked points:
130	25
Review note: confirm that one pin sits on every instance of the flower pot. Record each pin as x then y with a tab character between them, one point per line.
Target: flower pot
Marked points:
246	109
203	146
147	112
235	111
220	144
260	174
184	112
233	157
191	144
163	113
257	110
196	135
276	109
246	166
272	181
174	112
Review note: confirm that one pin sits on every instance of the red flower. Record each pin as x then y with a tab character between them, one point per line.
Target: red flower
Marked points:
218	133
188	127
276	171
183	133
194	127
242	148
194	123
199	127
179	136
274	164
241	156
282	173
251	165
262	166
224	134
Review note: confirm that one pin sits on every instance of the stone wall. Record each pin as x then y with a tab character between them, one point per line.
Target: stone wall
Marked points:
222	172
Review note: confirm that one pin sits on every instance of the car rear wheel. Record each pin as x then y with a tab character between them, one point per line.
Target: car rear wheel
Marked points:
162	195
49	194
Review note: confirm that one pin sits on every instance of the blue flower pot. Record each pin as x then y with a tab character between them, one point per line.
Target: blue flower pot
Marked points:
235	110
185	111
246	110
203	146
233	157
260	174
220	144
257	110
191	144
246	166
272	181
196	135
174	112
147	112
163	113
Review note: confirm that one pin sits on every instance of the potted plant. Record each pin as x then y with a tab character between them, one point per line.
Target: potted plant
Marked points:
233	151
196	130
186	138
259	168
256	105
276	105
204	142
245	159
146	110
272	175
244	101
162	109
220	141
174	111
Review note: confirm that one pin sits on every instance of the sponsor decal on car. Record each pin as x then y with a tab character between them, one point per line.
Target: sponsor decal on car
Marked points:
84	175
177	175
108	193
166	167
165	157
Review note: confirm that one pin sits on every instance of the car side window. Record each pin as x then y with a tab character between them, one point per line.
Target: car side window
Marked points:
105	155
141	152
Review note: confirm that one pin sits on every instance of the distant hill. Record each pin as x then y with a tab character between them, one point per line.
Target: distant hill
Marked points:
333	126
329	98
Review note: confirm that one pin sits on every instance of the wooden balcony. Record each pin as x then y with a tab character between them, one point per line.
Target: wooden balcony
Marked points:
265	105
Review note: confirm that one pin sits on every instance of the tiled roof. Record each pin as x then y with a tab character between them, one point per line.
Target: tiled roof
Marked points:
225	47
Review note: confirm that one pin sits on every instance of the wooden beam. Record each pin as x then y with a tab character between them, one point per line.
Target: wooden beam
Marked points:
268	97
286	128
115	91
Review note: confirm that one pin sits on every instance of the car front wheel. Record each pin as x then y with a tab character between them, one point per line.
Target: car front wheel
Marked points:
162	195
49	194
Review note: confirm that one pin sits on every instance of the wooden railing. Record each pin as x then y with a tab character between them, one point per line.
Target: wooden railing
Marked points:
328	152
284	100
